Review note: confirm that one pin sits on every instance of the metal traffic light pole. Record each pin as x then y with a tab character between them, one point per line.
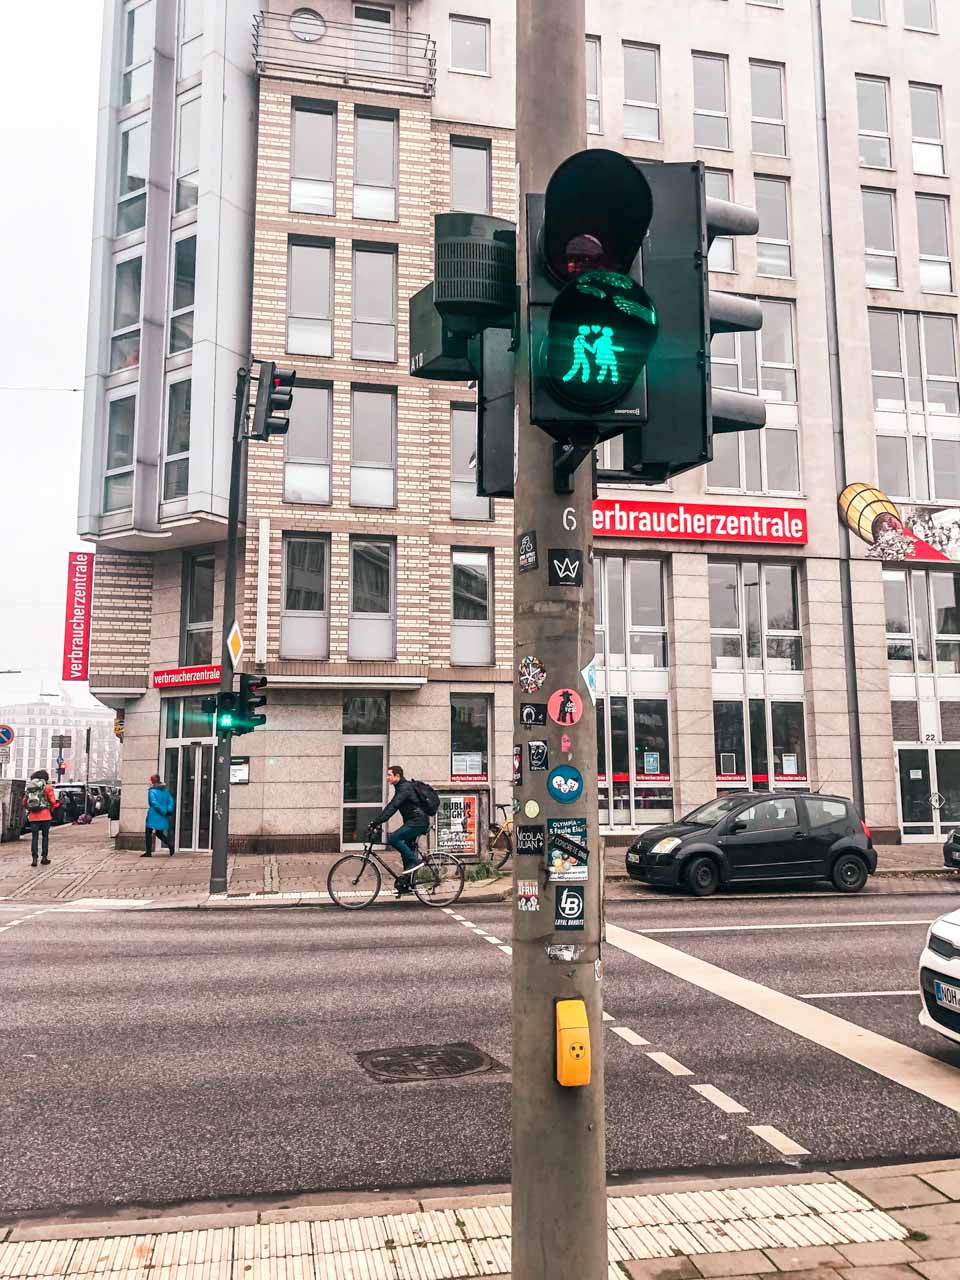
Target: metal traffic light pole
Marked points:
559	1155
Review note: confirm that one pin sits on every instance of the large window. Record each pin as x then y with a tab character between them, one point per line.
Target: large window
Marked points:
923	620
304	620
198	611
309	299
711	124
312	168
921	15
764	732
188	154
469	735
933	231
719	186
118	470
125	338
641	92
880	239
372	621
767	101
867	10
183	289
375	166
306	472
633	739
594	108
470	175
754	616
873	123
631	623
373	447
374	304
470	45
471	618
134	161
176	465
137	58
926	117
465	502
773	238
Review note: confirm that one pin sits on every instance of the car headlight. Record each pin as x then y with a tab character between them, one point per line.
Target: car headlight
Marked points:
666	846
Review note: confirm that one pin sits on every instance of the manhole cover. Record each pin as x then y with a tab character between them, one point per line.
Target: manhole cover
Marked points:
427	1062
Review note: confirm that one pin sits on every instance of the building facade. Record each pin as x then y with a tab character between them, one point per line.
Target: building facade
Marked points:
36	724
746	635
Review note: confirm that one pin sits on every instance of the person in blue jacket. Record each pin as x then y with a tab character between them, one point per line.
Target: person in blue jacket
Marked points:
160	805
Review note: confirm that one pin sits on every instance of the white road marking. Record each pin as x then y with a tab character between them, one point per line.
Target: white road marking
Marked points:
628	1034
12	924
850	995
497	942
779	1141
766	928
506	950
904	1066
670	1064
719	1099
608	1017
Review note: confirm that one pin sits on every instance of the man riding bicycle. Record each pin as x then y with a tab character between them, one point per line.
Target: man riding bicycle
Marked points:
415	824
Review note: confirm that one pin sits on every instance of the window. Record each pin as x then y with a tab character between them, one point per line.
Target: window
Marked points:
375	167
198	614
927	137
469	732
118	472
176	468
125	340
137	56
771	815
304	622
469	175
933	221
763	362
182	297
188	155
134	160
309	302
921	15
825	813
754	616
594	113
756	461
191	37
769	126
631	628
306	472
465	502
641	92
470	45
867	10
879	239
873	123
633	735
931	382
711	126
471	630
374	304
773	238
371	629
312	170
719	186
373	448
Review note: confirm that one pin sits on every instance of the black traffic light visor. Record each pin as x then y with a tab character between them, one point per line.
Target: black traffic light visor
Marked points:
597	209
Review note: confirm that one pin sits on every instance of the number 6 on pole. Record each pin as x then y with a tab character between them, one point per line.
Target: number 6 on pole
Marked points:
569	518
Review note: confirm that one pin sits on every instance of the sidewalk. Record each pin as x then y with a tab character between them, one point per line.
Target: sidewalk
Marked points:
893	1223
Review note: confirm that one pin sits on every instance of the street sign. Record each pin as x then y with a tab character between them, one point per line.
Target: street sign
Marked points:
4	755
61	740
6	735
235	645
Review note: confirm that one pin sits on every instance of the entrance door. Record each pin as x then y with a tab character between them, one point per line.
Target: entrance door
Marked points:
917	811
189	772
372	39
364	785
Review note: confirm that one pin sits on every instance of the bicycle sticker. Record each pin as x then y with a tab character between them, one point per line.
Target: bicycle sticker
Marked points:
532	673
530	840
532	809
527	552
528	895
565	784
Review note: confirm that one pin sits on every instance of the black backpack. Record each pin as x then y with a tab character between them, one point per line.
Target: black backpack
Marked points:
429	800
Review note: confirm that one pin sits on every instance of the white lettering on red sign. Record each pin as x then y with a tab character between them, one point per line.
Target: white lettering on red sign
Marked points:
178	677
76	630
618	518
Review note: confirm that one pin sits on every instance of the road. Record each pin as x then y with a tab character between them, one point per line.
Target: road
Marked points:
158	1057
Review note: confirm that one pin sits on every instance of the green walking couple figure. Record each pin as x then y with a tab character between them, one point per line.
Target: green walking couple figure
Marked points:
603	351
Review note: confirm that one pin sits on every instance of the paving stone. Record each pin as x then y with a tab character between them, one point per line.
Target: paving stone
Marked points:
805	1258
818	1273
947	1181
942	1242
662	1269
931	1215
747	1262
897	1170
943	1269
877	1253
896	1192
899	1271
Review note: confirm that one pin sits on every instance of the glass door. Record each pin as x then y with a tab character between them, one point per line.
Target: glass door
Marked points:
917	810
946	796
190	778
364	785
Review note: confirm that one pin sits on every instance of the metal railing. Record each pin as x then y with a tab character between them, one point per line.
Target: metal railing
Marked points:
305	46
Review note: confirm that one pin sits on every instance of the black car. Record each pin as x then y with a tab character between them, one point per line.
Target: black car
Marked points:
756	836
951	850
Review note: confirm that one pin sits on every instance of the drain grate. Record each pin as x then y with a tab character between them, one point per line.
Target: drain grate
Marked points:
407	1062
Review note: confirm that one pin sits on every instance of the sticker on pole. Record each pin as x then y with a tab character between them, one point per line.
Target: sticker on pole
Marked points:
533	714
528	895
527	552
569	913
537	756
530	840
565	567
565	706
565	784
532	673
589	677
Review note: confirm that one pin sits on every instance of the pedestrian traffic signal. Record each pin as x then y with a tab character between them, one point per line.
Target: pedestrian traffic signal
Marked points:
274	398
246	719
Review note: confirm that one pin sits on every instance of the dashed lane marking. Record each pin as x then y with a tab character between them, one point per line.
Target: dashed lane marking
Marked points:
608	1017
719	1099
12	924
779	1141
628	1034
851	995
669	1064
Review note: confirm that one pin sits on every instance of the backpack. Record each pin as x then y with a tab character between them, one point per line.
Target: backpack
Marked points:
36	795
429	800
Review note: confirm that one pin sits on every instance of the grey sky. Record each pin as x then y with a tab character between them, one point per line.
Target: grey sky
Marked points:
48	120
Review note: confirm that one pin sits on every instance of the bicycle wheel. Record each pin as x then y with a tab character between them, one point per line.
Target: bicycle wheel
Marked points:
439	882
353	882
501	848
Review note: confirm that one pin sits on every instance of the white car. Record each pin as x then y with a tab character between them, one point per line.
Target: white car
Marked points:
940	977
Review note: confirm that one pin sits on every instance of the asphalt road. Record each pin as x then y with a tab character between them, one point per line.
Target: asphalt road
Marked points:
159	1057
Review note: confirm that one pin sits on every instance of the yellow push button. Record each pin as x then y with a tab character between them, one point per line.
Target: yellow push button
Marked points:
573	1043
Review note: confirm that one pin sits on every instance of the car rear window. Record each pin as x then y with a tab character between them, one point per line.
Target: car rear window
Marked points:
825	813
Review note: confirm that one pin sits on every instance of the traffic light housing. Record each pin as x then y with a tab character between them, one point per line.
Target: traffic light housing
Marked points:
248	700
274	399
223	708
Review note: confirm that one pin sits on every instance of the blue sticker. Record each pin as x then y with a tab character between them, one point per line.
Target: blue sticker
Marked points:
565	784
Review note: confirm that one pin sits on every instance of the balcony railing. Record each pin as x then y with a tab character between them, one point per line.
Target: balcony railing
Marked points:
305	46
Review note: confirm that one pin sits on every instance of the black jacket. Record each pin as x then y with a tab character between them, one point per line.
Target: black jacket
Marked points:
405	799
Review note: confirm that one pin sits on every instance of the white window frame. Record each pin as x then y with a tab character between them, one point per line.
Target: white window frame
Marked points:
197	628
594	43
477	22
182	175
942	260
326	315
875	22
110	473
776	240
357	303
883	135
326	187
186	39
314	622
179	312
386	117
932	29
320	462
175	379
727	243
471	639
459	142
870	251
125	331
780	123
653	106
767	632
357	499
919	140
128	126
364	626
704	111
129	69
483	507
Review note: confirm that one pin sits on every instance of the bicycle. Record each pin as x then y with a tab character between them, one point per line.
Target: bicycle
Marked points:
500	841
354	881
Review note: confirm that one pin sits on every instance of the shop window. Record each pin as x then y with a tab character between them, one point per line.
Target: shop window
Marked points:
633	734
469	732
729	742
789	743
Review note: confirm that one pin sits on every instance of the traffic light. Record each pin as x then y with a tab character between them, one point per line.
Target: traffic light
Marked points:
222	708
274	397
592	324
246	719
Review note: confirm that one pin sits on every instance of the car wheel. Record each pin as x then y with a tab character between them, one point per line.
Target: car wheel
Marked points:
849	873
703	877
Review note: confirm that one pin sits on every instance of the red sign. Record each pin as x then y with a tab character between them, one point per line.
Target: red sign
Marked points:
183	677
699	521
76	628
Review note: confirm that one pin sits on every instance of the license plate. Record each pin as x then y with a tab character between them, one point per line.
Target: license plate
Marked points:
635	857
948	997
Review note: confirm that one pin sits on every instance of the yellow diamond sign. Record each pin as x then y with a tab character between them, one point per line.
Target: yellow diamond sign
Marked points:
235	645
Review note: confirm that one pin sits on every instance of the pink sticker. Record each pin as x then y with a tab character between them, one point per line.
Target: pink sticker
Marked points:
565	743
565	706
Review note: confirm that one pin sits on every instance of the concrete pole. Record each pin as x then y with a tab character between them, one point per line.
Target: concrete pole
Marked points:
559	1157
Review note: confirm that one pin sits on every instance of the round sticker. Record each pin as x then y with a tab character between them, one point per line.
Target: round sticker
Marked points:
531	808
565	706
532	673
565	784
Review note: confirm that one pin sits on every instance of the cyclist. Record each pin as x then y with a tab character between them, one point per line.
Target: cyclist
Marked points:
415	824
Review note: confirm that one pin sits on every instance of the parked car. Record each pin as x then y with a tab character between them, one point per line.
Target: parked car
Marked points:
757	836
951	851
940	977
